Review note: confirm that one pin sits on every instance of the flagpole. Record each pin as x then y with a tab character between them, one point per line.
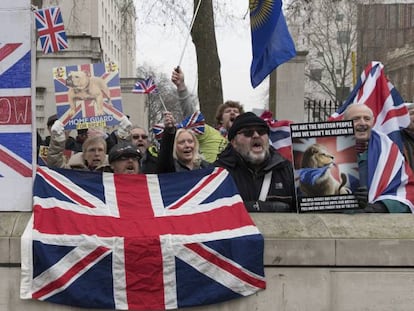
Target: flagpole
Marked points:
162	102
189	33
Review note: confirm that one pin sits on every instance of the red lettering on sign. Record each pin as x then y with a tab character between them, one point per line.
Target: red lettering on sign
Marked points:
15	110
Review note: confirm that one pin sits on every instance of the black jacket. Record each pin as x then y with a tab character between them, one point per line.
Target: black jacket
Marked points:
281	195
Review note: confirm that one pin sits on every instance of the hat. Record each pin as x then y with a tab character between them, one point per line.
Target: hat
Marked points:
247	119
82	131
51	120
123	150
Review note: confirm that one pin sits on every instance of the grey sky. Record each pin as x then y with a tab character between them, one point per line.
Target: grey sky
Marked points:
161	46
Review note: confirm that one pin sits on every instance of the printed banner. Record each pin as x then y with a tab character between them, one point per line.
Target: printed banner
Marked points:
16	154
88	95
325	163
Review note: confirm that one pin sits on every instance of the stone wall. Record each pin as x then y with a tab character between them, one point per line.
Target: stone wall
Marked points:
315	262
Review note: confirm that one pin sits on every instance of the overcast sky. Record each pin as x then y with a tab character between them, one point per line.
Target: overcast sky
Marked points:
161	47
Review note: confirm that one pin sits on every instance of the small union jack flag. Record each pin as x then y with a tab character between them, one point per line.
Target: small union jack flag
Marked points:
51	31
194	122
147	86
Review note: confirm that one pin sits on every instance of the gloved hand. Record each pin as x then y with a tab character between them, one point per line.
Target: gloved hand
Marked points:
376	207
361	195
58	131
124	128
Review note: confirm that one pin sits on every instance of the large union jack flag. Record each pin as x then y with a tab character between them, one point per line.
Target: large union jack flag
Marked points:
374	90
15	109
141	242
51	31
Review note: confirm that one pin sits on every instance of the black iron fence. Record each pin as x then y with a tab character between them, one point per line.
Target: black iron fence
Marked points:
320	110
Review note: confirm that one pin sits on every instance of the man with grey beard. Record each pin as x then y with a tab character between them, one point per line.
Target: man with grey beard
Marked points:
264	178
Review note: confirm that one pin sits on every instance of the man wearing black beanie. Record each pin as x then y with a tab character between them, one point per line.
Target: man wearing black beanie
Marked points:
264	178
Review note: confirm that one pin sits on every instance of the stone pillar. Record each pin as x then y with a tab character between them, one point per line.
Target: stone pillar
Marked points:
287	89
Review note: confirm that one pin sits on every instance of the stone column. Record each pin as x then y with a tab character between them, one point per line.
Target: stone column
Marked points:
287	89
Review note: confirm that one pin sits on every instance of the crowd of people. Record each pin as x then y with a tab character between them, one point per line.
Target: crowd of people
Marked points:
238	142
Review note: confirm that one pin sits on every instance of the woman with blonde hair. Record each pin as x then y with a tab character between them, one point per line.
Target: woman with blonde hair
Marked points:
179	149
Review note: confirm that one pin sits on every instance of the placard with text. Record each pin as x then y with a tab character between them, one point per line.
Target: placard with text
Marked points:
88	95
325	165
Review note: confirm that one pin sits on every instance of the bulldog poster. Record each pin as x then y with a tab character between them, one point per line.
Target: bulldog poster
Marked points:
325	164
88	95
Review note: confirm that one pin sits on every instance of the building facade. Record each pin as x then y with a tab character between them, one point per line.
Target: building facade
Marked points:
343	37
386	34
327	31
97	31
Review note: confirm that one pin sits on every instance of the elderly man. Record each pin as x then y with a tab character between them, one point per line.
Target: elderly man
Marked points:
407	135
380	193
264	178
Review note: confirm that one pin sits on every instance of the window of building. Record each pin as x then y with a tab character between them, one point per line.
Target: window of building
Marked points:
338	71
343	37
320	54
316	74
339	17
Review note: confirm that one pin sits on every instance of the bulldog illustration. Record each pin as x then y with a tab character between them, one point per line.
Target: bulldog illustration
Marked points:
83	86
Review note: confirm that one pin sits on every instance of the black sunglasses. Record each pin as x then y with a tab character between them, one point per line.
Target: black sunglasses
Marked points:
250	132
138	136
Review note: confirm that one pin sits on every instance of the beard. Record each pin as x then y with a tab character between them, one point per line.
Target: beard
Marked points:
251	157
255	158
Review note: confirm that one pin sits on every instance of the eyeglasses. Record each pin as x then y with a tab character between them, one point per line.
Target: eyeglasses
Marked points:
137	136
250	132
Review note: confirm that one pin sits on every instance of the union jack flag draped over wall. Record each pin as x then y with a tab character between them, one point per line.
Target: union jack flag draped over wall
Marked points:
16	155
141	242
51	31
374	90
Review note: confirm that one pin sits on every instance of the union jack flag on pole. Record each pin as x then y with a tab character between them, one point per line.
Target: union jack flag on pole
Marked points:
374	90
147	86
140	242
51	31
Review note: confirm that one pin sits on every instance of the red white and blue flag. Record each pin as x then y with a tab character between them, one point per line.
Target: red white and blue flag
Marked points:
141	242
374	90
194	122
389	175
146	86
16	154
51	31
279	135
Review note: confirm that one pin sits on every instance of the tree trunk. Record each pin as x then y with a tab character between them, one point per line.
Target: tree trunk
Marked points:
210	92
